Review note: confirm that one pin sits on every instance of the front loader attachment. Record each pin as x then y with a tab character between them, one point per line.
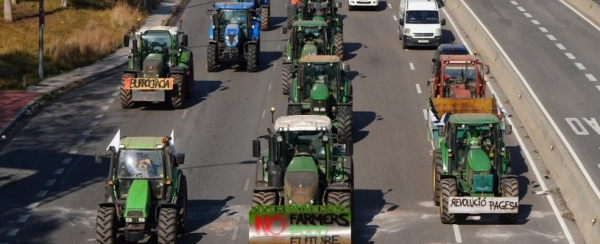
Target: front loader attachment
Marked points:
300	224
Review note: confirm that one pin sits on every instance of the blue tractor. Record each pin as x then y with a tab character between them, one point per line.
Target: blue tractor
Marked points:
262	6
234	36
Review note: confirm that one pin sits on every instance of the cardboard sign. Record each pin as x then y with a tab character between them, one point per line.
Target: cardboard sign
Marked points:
482	205
148	84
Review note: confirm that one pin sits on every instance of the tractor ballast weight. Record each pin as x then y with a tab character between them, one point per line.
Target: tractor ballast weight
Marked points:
302	175
307	37
145	193
471	167
234	36
160	67
264	8
458	76
320	88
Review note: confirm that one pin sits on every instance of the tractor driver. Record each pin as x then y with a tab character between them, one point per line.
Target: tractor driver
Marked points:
473	138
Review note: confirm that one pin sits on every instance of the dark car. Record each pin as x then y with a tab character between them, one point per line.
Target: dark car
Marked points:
448	48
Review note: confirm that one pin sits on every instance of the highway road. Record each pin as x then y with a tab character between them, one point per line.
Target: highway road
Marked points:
50	185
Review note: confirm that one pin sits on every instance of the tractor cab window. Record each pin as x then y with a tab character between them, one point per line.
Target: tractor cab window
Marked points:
156	43
470	137
309	36
233	17
140	164
459	74
316	73
310	142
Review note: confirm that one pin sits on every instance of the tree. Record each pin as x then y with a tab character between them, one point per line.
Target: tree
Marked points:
8	11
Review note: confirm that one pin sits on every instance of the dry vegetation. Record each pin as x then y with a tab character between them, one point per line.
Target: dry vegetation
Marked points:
78	35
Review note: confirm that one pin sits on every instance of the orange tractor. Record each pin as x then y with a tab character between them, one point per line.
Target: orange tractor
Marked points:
458	76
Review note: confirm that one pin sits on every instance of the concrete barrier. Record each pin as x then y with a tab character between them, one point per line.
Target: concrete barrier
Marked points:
576	191
587	7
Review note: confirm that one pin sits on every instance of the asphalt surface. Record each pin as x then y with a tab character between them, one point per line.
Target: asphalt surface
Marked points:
51	185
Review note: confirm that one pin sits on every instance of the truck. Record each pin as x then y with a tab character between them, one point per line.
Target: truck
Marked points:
304	184
471	167
145	191
458	76
160	69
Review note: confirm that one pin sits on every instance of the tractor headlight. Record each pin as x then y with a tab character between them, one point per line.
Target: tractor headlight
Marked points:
128	220
407	31
141	220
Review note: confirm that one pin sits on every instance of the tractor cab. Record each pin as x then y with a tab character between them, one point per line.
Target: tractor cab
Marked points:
320	83
458	76
309	38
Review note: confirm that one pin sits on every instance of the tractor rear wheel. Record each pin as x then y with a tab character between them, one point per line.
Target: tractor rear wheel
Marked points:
294	110
126	97
291	15
177	95
448	190
167	226
338	42
340	198
252	58
182	204
106	229
264	19
345	121
286	78
190	79
211	57
437	173
264	198
510	188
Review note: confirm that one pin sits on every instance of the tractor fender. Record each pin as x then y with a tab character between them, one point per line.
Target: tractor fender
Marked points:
447	177
255	30
108	205
266	189
508	176
177	70
185	57
134	72
211	32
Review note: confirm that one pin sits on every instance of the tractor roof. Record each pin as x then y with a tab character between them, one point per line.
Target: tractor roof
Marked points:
474	118
233	6
172	29
302	123
142	142
309	23
320	59
454	58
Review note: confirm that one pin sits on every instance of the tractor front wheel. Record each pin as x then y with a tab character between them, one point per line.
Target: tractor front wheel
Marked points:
345	121
294	110
286	78
448	190
340	198
167	226
106	229
437	173
211	57
264	198
338	42
291	15
125	94
177	95
182	204
252	58
264	19
510	188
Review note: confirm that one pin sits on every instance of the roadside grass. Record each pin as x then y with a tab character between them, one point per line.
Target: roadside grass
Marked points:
76	36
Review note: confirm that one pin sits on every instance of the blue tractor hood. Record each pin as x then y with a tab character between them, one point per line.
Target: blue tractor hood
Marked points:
232	35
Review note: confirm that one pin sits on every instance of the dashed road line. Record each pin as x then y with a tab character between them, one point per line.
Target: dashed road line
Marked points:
395	18
598	87
79	142
111	100
269	88
527	15
66	161
59	171
425	114
591	77
93	123
235	230
12	232
521	9
263	114
389	5
104	108
33	205
412	66
580	66
535	22
457	233
50	182
42	194
23	218
560	46
184	114
99	116
73	150
542	29
551	37
246	185
86	132
114	94
514	2
570	55
418	88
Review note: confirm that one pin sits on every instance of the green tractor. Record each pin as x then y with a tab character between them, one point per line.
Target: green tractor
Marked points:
146	192
320	88
321	10
160	69
304	184
471	166
308	37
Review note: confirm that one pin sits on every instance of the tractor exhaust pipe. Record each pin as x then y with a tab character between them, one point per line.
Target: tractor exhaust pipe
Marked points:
275	174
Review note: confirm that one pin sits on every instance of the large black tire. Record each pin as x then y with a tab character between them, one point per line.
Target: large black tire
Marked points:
448	190
510	188
264	19
294	110
340	198
182	204
167	226
106	229
177	95
437	170
264	198
189	87
350	8
252	58
126	97
291	15
404	46
286	78
345	121
338	43
211	57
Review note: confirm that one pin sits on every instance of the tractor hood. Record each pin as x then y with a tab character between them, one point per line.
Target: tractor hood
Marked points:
153	65
478	160
232	35
319	92
301	181
309	49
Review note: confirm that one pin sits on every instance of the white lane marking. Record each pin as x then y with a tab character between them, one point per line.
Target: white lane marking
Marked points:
580	15
80	141
418	88
111	100
114	94
263	114
246	185
577	126
66	161
274	65
570	55
42	193
23	218
557	214
395	18
86	132
12	232
560	46
598	88
412	66
73	150
92	124
99	116
235	230
278	47
543	29
33	205
590	77
389	5
59	171
50	182
457	234
269	88
580	66
184	114
521	9
551	37
535	22
425	110
104	108
514	2
527	15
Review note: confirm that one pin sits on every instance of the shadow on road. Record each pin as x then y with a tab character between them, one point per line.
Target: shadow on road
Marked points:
361	120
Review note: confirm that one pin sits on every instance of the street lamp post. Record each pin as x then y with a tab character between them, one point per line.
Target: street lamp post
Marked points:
41	42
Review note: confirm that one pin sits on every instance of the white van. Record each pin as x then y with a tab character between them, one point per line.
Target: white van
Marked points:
419	23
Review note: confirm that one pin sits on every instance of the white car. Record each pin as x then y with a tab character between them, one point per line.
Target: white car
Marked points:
362	3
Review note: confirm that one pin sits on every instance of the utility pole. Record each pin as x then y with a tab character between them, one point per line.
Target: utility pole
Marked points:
41	56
